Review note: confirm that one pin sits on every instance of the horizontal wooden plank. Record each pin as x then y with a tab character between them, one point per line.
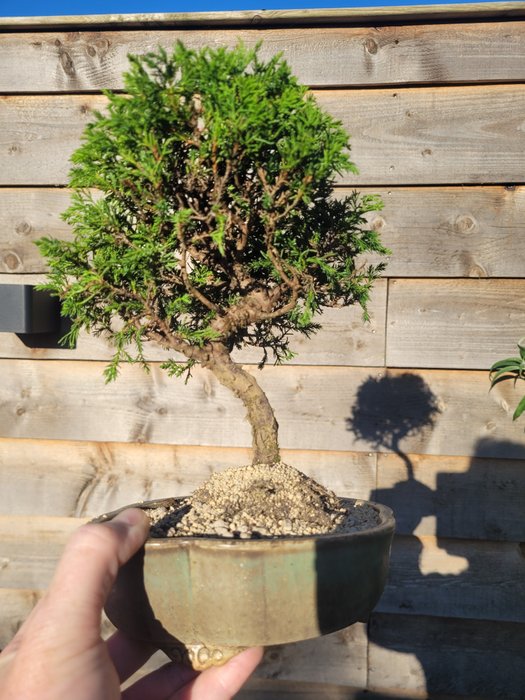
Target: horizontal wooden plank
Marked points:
61	478
25	216
457	324
30	548
444	135
455	579
339	658
452	231
320	408
441	655
443	53
456	232
39	134
452	497
461	134
265	18
359	342
459	497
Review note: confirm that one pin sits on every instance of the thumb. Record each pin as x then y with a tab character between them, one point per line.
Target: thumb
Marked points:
89	566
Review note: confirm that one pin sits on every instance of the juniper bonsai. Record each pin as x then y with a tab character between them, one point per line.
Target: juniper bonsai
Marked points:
203	220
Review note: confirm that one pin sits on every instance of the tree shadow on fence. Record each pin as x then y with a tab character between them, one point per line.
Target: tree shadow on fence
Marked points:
431	614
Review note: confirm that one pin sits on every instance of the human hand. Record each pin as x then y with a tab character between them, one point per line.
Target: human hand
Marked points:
58	653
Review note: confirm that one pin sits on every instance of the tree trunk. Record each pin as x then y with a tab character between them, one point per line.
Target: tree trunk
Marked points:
260	414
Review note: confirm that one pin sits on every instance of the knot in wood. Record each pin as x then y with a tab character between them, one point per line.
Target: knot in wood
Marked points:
371	45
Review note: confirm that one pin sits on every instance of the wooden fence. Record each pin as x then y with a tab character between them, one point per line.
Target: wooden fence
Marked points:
397	410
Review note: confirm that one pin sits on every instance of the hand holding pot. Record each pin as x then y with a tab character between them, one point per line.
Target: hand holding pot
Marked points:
58	653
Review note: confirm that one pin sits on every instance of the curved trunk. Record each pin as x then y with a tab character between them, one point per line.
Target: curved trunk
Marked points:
260	414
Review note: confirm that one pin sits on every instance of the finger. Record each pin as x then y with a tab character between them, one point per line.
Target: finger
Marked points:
89	566
161	683
221	682
128	655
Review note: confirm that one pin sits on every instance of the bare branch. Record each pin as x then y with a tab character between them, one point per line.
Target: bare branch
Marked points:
183	263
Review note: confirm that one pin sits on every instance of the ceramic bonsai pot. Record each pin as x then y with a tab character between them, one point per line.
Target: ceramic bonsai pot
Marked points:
203	599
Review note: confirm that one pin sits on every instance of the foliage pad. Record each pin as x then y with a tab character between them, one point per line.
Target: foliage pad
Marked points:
202	212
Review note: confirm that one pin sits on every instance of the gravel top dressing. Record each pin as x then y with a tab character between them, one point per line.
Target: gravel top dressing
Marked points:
257	501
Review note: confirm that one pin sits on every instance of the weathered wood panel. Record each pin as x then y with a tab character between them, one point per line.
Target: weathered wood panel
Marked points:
454	135
440	655
459	232
317	408
458	497
15	606
462	134
268	18
335	658
452	231
25	216
453	323
446	53
42	477
30	548
449	497
455	578
358	342
432	323
38	135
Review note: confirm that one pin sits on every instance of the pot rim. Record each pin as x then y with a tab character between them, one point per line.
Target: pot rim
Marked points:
386	525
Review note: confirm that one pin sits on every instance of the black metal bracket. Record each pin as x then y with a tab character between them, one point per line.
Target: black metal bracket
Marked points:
28	311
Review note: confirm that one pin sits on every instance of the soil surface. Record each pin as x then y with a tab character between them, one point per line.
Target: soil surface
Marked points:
257	501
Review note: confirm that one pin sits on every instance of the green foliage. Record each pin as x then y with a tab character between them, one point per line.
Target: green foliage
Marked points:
510	368
202	212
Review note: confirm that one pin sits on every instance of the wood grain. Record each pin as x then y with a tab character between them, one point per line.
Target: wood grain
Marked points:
30	548
61	478
431	135
448	497
339	658
266	18
15	606
345	339
452	231
435	112
457	232
466	324
318	408
441	655
446	53
25	216
432	323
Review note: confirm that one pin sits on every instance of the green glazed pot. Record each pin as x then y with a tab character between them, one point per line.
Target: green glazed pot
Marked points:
203	599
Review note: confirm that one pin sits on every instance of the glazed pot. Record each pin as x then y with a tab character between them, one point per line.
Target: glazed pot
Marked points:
203	599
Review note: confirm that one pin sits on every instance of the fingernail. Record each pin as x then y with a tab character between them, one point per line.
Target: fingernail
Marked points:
134	517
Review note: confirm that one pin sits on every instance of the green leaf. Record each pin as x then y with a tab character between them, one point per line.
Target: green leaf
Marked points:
503	374
519	409
511	363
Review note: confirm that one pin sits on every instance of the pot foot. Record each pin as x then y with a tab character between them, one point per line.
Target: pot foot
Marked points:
200	656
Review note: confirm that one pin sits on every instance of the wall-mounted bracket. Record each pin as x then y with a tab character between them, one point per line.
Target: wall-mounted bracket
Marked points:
26	310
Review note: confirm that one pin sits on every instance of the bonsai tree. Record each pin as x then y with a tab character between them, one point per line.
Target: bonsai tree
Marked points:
204	221
511	368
